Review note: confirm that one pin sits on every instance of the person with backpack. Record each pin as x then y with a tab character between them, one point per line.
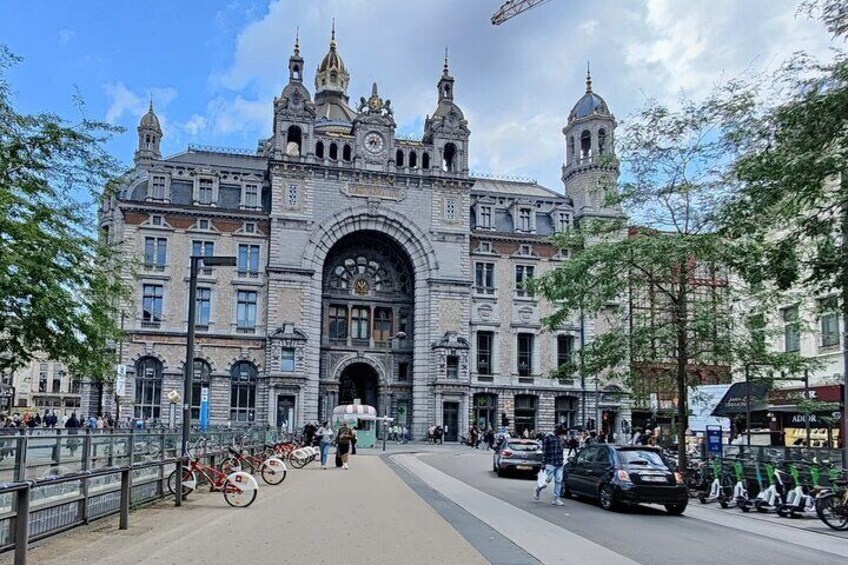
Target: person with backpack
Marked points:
343	441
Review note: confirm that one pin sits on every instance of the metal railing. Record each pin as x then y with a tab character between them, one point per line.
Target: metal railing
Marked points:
55	480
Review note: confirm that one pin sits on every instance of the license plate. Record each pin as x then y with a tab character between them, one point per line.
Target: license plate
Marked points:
524	467
653	479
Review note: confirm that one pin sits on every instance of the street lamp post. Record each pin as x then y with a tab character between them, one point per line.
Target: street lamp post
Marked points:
211	261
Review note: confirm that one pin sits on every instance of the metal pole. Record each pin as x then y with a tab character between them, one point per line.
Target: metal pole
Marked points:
807	397
747	405
582	372
189	370
21	526
126	491
120	362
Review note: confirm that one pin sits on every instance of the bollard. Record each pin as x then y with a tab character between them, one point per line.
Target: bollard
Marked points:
178	491
21	525
126	496
21	458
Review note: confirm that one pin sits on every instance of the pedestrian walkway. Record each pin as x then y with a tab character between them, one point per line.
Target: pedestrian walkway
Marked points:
364	515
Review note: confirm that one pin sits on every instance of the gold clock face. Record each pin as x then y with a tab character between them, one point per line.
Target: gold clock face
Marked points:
374	142
361	287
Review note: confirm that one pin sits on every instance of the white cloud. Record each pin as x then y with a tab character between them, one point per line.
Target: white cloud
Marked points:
589	27
195	124
123	101
65	35
126	107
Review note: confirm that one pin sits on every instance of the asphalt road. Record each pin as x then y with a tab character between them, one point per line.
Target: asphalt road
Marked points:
648	535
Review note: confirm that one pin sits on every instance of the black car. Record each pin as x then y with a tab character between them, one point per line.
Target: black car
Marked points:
518	455
626	474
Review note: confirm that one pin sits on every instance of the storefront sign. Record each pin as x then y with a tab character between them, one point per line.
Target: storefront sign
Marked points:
714	435
204	408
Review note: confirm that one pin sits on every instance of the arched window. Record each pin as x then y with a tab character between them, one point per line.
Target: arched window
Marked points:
243	392
147	141
148	388
199	381
399	158
585	144
334	151
413	159
425	161
346	153
293	141
333	77
449	158
602	141
319	149
296	70
571	148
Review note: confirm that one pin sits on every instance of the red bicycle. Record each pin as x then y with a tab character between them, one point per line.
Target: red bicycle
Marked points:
270	467
239	488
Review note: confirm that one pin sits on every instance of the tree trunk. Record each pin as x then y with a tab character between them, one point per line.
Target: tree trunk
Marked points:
682	359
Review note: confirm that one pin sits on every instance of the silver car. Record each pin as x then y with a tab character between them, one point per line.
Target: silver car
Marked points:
518	455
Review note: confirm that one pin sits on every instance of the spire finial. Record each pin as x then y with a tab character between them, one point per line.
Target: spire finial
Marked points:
150	107
333	33
373	90
297	41
445	70
588	78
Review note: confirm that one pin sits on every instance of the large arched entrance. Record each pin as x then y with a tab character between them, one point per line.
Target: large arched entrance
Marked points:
359	382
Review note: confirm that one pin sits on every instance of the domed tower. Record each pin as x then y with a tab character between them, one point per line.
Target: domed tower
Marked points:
590	171
149	137
294	112
331	82
447	129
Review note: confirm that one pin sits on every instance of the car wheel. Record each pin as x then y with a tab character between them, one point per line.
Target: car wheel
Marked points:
675	509
607	498
498	471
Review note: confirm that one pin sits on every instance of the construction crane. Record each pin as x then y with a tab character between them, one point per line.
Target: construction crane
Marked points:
512	8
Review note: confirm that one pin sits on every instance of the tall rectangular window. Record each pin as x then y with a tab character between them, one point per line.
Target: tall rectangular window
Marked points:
565	349
484	352
829	321
450	209
484	219
403	323
484	278
791	329
360	323
287	360
525	355
203	249
337	322
158	187
42	377
524	219
155	253
151	304
292	196
562	221
523	276
452	369
246	310
248	261
205	191
403	371
203	306
58	374
382	324
251	195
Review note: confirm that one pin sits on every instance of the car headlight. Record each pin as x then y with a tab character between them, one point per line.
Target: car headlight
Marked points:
678	476
623	476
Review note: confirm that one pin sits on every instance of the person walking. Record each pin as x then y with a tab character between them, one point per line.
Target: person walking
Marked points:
343	441
552	461
325	438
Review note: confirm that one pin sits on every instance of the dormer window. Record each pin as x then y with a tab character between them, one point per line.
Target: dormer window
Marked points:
250	196
484	216
158	187
524	216
485	247
563	219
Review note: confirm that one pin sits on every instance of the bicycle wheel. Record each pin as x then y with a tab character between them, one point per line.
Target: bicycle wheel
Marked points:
299	463
240	490
273	471
833	511
234	464
189	482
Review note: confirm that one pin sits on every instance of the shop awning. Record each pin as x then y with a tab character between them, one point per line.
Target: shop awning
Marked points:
354	412
737	398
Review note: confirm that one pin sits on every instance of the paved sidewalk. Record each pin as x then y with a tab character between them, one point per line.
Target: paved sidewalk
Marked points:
364	515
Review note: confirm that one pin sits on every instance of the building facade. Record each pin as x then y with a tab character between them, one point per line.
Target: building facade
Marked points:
370	267
39	386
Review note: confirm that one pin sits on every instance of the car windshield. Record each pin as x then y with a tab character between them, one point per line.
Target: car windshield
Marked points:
641	457
523	446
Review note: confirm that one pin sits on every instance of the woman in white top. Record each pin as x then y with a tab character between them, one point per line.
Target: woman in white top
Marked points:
326	435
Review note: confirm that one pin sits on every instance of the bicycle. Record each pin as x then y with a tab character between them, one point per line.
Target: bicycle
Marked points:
239	488
271	468
832	507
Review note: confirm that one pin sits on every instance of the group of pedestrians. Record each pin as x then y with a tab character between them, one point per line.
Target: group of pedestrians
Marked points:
344	439
51	420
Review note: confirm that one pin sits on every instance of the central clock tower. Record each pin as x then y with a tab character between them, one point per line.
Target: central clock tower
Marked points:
374	130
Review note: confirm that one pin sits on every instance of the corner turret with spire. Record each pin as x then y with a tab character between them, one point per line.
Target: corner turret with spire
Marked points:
590	170
294	111
149	138
447	129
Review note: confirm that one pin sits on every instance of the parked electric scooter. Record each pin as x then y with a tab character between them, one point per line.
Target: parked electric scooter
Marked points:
770	499
798	500
720	487
740	489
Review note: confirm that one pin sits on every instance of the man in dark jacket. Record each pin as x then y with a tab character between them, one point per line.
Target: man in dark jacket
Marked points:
552	466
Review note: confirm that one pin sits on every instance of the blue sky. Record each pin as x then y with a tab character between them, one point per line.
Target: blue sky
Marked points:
213	68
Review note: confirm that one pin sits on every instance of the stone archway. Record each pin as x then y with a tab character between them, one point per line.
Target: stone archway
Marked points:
359	381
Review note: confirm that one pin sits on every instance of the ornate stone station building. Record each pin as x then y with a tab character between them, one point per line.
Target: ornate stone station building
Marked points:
370	267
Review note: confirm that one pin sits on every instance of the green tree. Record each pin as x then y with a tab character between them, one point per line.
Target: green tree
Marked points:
59	291
790	216
661	288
